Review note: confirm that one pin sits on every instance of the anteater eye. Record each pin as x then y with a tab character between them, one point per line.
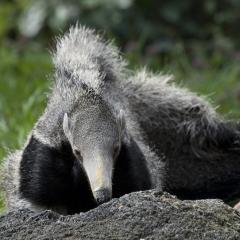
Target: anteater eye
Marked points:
77	153
115	151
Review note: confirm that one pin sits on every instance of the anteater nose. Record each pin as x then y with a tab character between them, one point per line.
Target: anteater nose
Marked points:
102	195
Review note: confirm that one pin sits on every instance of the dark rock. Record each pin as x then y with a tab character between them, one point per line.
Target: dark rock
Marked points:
140	215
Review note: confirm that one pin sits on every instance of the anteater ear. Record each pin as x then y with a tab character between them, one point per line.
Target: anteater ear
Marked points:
122	126
121	118
66	126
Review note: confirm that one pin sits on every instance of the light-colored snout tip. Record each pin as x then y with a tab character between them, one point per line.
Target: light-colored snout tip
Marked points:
102	195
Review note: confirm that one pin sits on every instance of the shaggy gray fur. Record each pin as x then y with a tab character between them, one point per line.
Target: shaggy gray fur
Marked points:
85	66
201	148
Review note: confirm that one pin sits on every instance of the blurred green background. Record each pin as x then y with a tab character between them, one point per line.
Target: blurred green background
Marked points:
197	41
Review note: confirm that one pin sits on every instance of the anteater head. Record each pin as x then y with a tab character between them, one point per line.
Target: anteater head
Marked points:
95	133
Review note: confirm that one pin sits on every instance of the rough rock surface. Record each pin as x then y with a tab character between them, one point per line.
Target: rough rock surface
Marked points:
140	215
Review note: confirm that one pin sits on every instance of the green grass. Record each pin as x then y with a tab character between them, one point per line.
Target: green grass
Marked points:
24	84
23	87
23	94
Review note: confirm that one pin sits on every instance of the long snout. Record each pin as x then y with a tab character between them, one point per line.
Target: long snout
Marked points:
102	195
99	172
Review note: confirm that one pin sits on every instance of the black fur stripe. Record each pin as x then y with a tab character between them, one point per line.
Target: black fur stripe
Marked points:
54	178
